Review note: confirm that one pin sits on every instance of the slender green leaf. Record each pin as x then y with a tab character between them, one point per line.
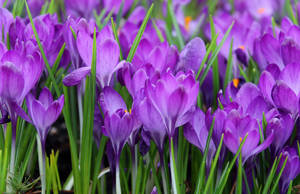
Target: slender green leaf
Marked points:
228	75
175	24
215	54
139	35
213	166
224	177
274	187
201	176
113	25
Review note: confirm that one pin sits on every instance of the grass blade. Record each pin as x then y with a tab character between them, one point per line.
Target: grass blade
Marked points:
226	172
215	54
213	166
201	178
139	35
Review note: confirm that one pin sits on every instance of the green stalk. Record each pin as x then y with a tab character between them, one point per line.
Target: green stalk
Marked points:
118	184
174	174
42	163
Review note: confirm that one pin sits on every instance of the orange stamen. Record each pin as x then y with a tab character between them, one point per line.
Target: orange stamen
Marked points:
236	82
241	139
187	21
242	47
261	10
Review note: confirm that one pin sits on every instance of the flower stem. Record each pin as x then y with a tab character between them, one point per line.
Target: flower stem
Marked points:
174	175
134	167
118	184
163	172
42	163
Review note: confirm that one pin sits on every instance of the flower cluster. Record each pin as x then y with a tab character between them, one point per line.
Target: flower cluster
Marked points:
201	82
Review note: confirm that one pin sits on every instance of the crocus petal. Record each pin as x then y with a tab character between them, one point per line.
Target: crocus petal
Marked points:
107	60
76	76
11	82
152	121
111	101
284	98
46	97
230	141
266	83
20	112
291	76
247	93
85	47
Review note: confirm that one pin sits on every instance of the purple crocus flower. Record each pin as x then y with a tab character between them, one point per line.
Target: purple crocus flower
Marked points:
196	132
51	35
107	58
80	8
292	167
44	112
277	86
18	73
173	97
118	121
6	19
235	129
118	124
115	5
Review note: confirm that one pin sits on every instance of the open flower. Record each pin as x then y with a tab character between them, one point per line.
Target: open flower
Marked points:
44	112
173	97
118	121
235	129
107	57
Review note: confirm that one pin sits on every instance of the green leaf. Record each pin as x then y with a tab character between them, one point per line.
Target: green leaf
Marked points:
201	177
214	39
139	35
98	162
274	187
175	24
215	54
239	176
113	25
228	75
87	133
174	172
271	175
224	177
213	166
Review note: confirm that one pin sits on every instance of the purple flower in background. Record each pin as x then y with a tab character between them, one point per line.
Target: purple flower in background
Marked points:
173	97
235	129
107	63
115	5
18	75
278	86
196	132
192	55
36	6
292	167
282	127
6	19
80	8
44	112
51	35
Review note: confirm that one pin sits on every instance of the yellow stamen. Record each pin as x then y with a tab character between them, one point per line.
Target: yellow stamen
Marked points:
236	82
241	139
261	10
242	47
187	21
126	111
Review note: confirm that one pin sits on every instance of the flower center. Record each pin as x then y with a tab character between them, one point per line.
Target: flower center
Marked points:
261	10
187	21
242	47
236	82
126	111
